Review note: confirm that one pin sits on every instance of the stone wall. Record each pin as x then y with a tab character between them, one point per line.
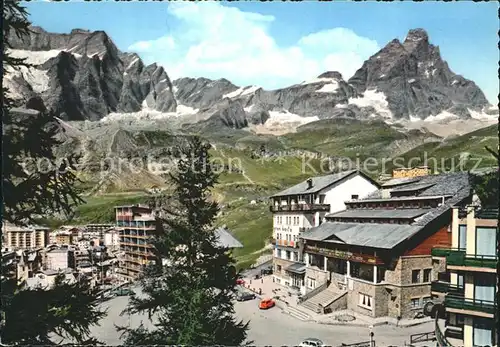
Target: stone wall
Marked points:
360	287
340	303
419	290
316	273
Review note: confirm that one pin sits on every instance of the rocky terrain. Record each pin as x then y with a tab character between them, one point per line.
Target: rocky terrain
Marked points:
84	76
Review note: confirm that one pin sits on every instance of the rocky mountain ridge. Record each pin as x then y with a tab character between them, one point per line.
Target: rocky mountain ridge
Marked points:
84	76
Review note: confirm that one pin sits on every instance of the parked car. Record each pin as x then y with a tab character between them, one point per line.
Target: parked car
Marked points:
267	271
240	281
123	292
245	296
266	304
312	342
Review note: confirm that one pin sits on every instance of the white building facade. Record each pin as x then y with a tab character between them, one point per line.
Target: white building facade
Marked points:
303	206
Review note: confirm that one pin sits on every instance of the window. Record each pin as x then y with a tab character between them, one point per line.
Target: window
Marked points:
278	253
415	303
484	287
354	197
296	256
415	276
288	255
427	275
486	241
462	236
311	283
278	268
482	333
365	301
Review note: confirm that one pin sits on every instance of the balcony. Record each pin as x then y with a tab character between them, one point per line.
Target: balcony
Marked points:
445	287
479	213
286	243
300	207
458	257
444	252
461	303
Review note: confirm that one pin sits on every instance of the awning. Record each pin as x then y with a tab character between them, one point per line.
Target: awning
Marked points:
297	268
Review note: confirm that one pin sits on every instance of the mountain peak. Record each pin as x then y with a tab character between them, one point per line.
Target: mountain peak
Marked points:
331	74
415	35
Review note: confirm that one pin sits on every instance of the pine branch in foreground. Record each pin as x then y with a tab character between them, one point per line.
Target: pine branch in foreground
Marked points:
189	296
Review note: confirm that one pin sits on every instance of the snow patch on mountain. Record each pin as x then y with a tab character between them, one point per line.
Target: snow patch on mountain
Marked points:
33	57
150	114
482	115
375	99
441	116
241	92
329	88
320	80
249	108
280	117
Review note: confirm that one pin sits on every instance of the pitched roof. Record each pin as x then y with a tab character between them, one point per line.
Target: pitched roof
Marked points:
319	183
226	240
375	235
407	213
454	185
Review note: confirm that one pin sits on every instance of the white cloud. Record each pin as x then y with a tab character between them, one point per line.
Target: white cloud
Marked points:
216	41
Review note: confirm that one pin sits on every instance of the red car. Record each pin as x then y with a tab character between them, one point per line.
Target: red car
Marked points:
266	304
240	281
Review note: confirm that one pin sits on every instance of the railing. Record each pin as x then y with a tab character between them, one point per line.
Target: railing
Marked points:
479	213
458	257
444	252
486	213
300	207
445	287
313	292
422	337
440	338
461	303
286	243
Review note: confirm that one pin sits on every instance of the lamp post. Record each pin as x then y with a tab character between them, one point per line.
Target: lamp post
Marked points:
371	336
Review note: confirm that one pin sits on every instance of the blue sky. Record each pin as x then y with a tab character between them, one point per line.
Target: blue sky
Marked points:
281	43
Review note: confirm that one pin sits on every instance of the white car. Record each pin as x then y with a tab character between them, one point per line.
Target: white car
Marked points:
312	342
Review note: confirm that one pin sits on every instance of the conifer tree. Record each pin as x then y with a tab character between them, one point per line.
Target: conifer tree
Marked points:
36	316
189	292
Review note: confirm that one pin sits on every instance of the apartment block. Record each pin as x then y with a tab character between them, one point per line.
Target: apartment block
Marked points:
136	225
304	206
468	285
29	237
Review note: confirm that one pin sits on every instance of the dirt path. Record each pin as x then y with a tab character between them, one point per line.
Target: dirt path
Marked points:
241	168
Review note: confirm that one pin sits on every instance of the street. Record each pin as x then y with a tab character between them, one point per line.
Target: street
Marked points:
270	327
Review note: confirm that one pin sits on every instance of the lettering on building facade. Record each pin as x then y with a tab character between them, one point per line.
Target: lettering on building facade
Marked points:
339	254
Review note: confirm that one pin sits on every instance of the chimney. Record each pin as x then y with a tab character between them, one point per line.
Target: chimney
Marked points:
309	183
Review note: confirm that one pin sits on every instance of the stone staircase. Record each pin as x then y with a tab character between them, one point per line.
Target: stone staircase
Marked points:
297	313
322	299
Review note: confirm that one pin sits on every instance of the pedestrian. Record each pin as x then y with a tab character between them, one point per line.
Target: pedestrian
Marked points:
260	291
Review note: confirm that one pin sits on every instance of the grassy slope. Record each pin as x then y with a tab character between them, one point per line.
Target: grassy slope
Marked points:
342	137
448	154
252	224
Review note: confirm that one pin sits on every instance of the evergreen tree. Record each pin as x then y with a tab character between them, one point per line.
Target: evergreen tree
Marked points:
32	316
189	292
